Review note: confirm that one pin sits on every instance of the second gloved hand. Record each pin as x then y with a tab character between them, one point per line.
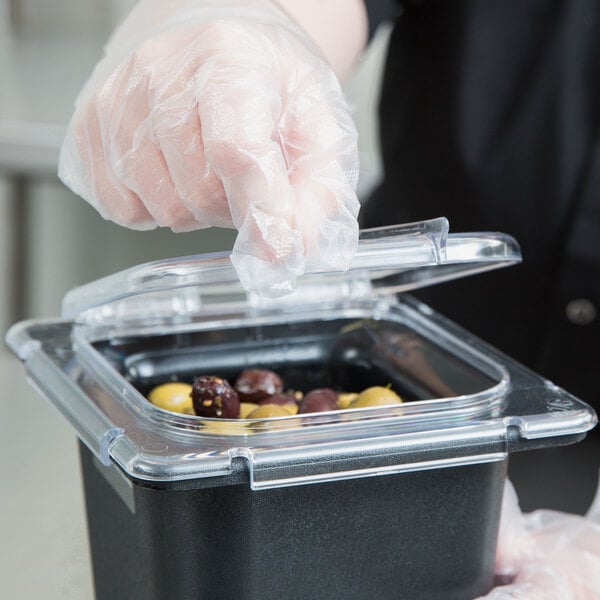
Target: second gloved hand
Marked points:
547	555
221	113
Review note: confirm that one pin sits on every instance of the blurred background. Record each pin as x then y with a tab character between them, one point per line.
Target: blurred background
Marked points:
51	241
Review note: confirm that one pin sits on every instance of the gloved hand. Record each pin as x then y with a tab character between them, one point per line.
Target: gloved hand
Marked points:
221	113
547	555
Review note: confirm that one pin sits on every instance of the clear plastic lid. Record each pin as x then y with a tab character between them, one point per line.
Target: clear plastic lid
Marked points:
389	260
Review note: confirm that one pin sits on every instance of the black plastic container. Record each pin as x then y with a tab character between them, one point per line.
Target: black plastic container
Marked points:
428	534
398	501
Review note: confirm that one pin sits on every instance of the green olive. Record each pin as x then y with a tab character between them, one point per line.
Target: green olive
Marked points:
344	399
223	427
291	409
267	411
246	408
375	396
173	396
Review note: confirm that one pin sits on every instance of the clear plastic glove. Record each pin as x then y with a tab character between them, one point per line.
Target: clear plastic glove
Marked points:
221	113
547	555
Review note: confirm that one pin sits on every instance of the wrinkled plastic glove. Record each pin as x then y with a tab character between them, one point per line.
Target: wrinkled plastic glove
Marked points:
221	113
547	555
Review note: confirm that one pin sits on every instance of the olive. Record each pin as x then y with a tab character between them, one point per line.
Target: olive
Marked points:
224	427
253	385
344	399
267	411
319	400
375	396
272	411
214	397
246	408
173	396
280	399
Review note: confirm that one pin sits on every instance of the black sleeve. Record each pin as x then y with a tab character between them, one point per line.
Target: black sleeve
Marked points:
379	11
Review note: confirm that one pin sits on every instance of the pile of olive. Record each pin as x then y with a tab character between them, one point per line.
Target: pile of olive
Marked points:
258	394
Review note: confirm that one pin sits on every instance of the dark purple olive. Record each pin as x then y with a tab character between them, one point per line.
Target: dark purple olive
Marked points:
214	397
279	399
255	384
318	401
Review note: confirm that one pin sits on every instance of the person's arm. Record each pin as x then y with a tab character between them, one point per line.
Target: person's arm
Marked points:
338	27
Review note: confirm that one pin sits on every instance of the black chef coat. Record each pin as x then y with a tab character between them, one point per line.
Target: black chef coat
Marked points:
489	115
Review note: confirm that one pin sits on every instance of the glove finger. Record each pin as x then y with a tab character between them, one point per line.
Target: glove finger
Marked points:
197	185
320	143
239	105
129	137
84	169
179	134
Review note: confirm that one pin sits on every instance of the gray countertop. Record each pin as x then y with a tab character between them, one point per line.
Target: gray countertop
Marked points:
43	537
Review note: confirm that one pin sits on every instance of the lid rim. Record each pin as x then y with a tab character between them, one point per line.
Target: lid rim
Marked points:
416	254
